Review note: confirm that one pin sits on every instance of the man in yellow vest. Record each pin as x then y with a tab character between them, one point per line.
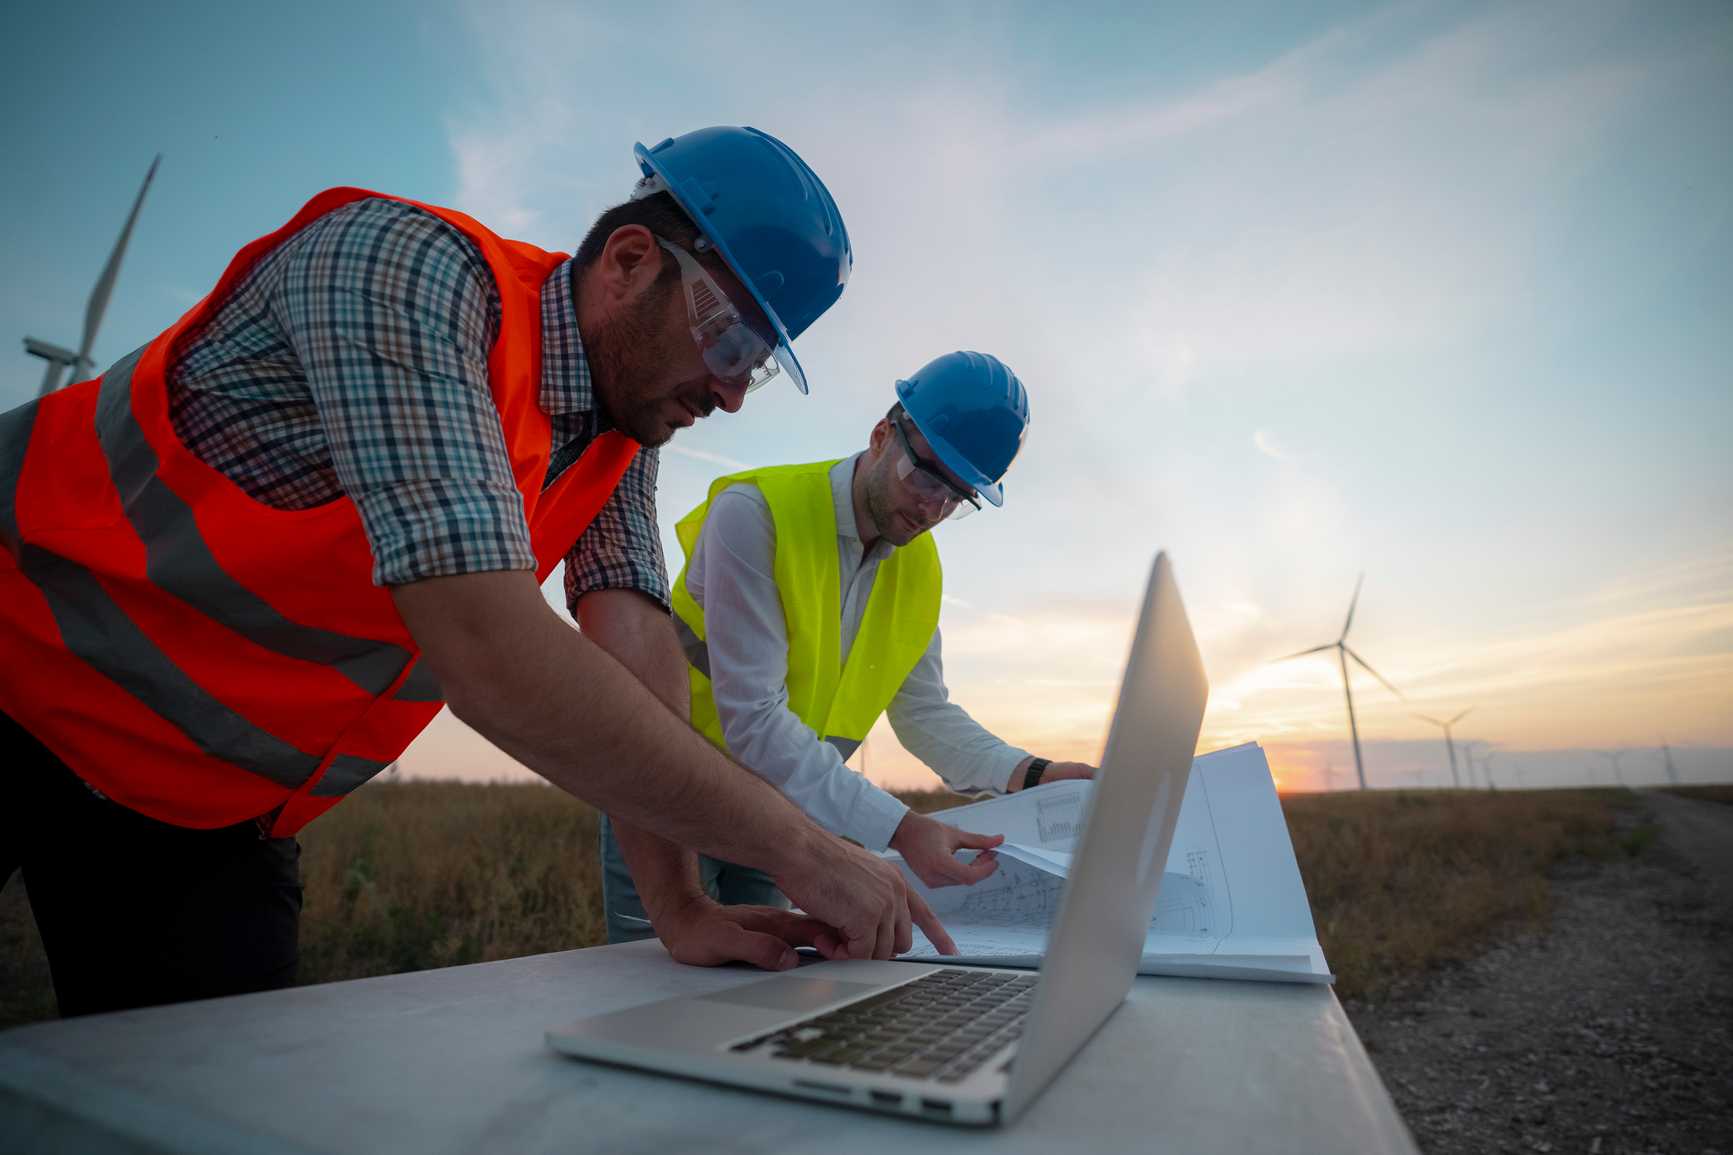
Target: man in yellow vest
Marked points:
809	606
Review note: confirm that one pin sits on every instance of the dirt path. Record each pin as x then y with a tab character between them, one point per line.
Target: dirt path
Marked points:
1611	1032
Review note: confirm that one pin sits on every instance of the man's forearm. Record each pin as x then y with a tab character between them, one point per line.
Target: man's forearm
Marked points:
640	636
569	711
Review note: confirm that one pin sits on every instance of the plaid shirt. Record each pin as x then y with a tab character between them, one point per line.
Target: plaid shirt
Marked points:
353	360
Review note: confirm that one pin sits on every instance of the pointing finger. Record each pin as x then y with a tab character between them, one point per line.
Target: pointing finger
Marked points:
929	923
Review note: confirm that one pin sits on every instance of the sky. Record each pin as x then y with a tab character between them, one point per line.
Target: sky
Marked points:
1436	293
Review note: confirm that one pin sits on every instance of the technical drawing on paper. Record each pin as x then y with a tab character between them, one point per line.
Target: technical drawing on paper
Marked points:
1057	820
1182	907
1013	895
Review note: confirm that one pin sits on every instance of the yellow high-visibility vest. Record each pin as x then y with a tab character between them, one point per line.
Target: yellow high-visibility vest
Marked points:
839	700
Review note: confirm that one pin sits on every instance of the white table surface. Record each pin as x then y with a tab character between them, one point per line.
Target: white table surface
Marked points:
454	1060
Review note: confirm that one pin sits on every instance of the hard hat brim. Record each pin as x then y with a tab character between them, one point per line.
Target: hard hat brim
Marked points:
784	344
952	459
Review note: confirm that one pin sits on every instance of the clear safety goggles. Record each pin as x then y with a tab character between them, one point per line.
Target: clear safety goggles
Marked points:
732	351
929	485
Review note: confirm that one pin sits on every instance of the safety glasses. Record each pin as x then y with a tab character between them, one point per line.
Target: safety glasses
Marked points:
732	351
930	485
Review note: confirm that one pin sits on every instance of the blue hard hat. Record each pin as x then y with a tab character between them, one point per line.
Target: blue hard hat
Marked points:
973	412
767	214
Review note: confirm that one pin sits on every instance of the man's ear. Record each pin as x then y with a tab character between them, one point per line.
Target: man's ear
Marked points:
880	436
630	262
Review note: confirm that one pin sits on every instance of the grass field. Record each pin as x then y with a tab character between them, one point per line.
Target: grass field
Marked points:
1721	792
408	876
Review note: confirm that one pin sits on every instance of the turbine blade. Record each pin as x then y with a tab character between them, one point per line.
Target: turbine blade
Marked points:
1424	718
1462	715
105	283
1313	650
1368	668
1351	604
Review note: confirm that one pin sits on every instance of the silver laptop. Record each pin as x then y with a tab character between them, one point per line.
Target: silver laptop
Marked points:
962	1044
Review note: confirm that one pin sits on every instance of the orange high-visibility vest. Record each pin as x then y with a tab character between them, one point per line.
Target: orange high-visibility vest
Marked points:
204	658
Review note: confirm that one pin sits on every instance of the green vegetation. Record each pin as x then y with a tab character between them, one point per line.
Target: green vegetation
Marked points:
408	876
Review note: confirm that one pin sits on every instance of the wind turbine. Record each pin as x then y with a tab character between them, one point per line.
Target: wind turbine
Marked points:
1486	768
59	358
1614	758
1343	653
1672	770
1449	744
1468	762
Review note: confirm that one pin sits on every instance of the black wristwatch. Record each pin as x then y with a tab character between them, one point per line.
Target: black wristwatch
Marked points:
1032	776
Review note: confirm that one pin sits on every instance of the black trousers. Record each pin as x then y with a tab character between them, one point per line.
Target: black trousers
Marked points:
135	912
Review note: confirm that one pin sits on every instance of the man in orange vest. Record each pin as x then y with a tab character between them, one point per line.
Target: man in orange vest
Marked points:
249	563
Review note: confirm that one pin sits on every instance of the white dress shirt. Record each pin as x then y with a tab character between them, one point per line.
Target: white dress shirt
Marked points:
731	574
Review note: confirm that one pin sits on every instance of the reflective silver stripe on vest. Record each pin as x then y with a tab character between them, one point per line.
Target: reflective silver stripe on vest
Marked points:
421	685
697	653
344	774
844	746
15	428
179	561
99	632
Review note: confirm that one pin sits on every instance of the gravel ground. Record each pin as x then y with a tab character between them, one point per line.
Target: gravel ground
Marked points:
1610	1032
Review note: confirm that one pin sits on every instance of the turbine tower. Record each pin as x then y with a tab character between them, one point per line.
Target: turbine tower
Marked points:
1615	759
1468	762
1449	744
1343	653
1672	770
59	358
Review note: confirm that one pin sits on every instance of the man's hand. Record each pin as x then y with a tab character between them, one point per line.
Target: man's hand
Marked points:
930	848
704	933
1055	772
862	897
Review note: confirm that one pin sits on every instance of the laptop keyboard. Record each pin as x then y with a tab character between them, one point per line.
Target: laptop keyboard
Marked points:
942	1026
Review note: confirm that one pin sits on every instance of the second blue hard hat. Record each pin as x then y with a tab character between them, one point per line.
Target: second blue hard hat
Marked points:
974	412
768	215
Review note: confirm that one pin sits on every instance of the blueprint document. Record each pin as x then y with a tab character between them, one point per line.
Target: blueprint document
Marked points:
1231	903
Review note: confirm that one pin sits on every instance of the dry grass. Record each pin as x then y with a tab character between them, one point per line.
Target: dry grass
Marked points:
1402	881
408	876
1721	792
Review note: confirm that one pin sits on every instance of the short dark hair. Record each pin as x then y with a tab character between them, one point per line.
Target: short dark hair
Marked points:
658	212
662	215
895	411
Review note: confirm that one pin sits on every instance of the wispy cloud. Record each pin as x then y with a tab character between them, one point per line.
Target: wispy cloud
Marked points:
1266	445
705	456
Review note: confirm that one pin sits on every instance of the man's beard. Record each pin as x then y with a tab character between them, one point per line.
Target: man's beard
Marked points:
884	513
625	353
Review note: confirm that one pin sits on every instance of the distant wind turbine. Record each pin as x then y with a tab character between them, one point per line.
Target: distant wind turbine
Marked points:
1614	759
1468	762
1343	653
59	358
1672	770
1449	744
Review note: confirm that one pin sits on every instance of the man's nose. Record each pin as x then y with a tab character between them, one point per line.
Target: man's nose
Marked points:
728	397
